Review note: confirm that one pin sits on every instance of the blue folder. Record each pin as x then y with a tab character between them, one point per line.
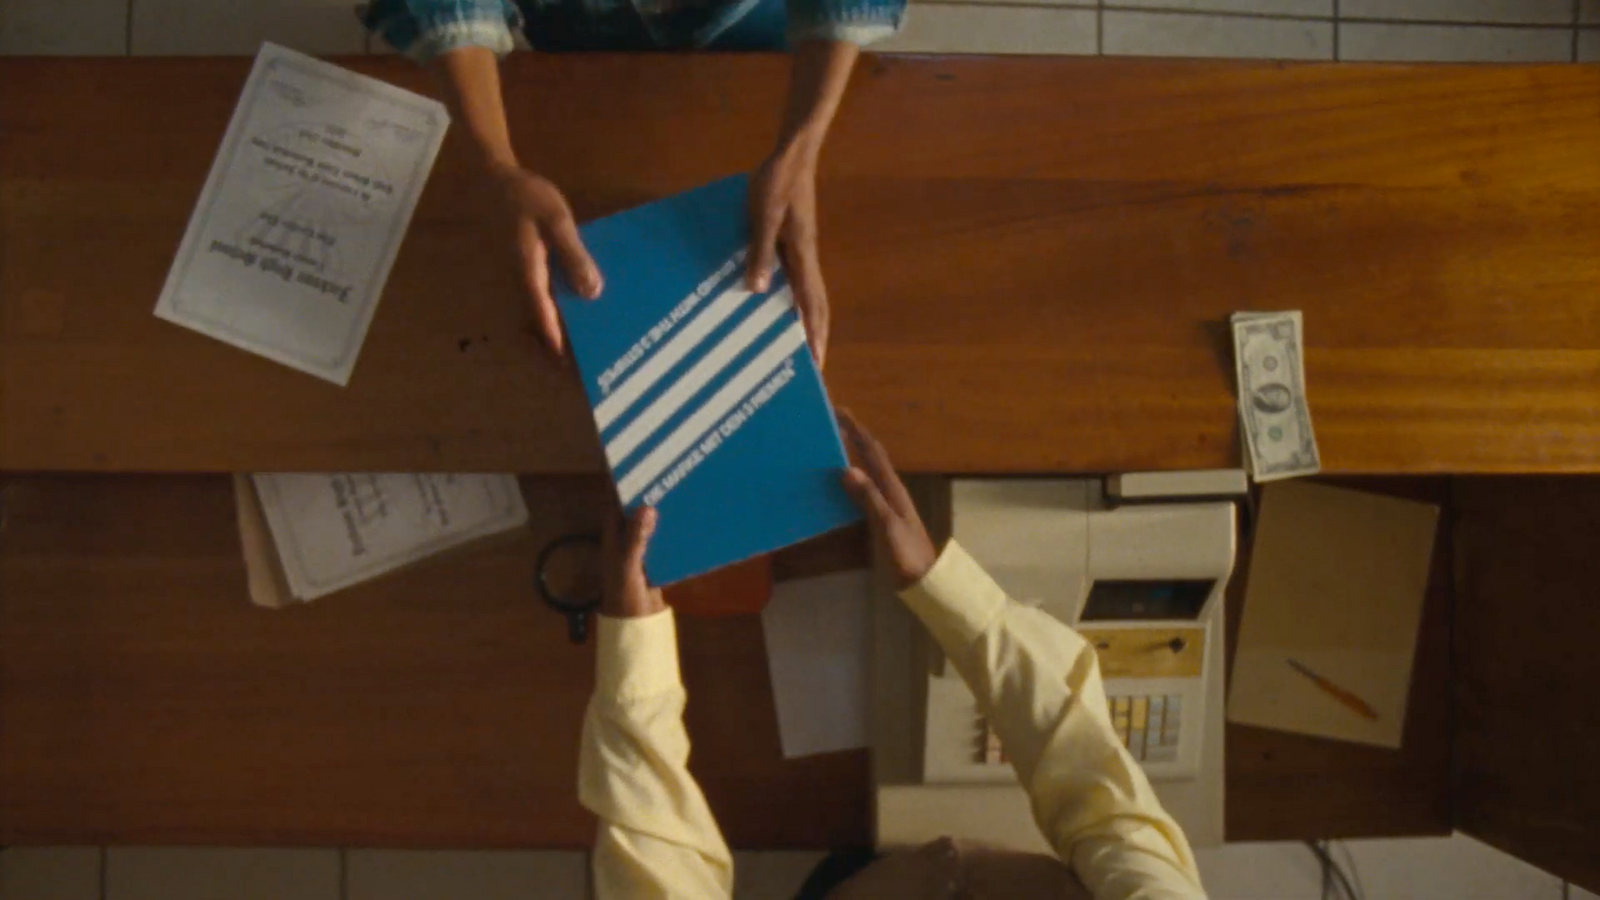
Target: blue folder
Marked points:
706	398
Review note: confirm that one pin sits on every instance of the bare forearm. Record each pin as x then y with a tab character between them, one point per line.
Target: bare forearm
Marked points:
470	77
816	85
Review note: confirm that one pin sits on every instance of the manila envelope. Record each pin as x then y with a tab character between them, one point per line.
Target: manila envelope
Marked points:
1337	579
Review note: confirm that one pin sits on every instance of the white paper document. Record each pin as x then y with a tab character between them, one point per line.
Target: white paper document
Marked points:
301	217
333	530
817	644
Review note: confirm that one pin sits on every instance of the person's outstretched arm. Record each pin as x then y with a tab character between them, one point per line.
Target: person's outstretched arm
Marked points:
462	41
783	191
1038	682
657	836
826	37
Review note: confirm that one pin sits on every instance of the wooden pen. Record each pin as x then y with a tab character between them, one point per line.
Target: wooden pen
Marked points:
1348	699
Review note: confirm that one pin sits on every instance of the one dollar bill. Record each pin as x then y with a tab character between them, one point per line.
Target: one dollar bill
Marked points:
1274	416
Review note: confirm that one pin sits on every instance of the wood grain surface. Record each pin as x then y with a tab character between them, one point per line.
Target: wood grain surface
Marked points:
143	699
1031	263
1528	714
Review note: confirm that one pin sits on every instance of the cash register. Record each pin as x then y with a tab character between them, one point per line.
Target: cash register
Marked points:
1138	565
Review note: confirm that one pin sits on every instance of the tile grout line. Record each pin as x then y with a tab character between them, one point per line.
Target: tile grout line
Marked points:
1463	23
1576	15
127	32
1100	28
344	873
1336	30
105	886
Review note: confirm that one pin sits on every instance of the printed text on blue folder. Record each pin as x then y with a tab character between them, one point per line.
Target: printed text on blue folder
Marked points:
664	327
726	430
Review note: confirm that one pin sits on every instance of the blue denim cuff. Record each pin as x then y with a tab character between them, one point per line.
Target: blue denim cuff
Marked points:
860	22
423	29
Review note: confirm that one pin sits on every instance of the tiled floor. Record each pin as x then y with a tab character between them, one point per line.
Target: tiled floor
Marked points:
1458	868
1407	30
1453	30
51	873
410	875
195	873
187	27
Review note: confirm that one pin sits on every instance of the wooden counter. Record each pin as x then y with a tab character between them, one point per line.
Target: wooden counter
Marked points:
1032	261
143	700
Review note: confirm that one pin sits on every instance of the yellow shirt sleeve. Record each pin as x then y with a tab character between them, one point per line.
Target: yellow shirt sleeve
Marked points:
1038	682
657	836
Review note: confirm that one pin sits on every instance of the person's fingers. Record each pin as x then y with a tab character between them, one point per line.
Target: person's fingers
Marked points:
576	262
876	463
871	454
851	430
641	526
764	224
536	274
865	493
810	293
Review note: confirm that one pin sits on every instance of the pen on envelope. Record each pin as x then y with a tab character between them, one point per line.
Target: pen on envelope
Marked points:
1350	701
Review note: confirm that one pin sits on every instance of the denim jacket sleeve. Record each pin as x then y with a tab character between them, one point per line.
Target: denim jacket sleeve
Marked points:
860	22
423	29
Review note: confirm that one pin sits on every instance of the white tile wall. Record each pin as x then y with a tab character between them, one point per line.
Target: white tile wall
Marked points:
1589	46
209	873
1401	30
50	873
57	28
453	875
962	28
1172	34
1449	43
1545	12
190	27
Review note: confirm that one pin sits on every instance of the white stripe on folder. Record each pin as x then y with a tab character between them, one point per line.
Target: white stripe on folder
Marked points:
701	374
630	486
712	315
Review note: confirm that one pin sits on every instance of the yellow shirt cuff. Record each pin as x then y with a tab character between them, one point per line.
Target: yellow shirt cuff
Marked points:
636	657
956	599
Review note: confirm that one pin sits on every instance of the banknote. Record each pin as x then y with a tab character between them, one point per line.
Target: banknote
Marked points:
1274	415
